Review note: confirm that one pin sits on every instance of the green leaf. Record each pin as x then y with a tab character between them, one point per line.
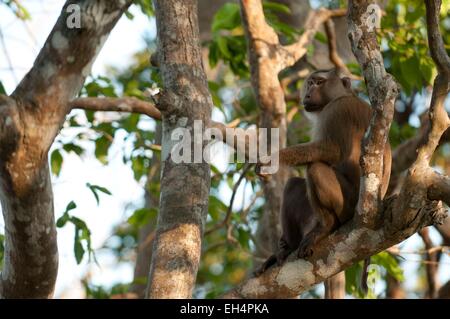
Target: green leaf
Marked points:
142	216
223	46
391	265
321	37
78	247
62	221
244	238
129	15
428	69
353	280
216	208
56	161
130	123
276	7
146	7
102	145
95	188
71	147
227	17
2	88
408	68
71	206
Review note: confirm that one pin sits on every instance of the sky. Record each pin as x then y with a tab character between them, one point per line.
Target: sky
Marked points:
23	42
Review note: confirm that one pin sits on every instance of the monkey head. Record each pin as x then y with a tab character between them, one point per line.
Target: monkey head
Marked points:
323	86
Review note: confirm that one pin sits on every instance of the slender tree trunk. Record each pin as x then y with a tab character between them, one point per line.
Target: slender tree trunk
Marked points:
184	186
30	119
335	286
394	288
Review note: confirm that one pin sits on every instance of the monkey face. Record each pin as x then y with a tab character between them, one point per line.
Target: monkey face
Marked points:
313	99
322	87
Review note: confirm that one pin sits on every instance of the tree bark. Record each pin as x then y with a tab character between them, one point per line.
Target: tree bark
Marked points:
184	186
30	119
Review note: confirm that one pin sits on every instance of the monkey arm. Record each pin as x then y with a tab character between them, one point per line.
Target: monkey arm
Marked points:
306	153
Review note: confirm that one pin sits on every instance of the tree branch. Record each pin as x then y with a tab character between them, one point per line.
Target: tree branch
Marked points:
332	50
290	54
383	90
421	177
432	266
125	104
332	255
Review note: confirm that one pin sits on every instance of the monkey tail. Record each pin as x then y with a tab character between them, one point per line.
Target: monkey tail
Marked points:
364	276
269	262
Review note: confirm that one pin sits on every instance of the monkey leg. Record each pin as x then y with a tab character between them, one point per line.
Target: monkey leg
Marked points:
284	250
297	217
326	192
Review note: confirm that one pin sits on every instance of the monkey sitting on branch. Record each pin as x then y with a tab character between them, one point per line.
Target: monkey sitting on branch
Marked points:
315	207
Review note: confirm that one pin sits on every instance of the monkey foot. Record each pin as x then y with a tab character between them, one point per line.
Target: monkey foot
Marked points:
269	262
305	249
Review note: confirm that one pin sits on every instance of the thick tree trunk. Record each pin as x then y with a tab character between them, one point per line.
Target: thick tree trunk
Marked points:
29	121
184	186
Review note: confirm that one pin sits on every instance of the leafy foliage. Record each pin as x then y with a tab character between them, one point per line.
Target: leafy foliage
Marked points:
95	189
403	30
353	274
19	10
229	43
82	240
99	292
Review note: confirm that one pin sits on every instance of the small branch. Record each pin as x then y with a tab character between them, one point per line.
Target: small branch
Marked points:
333	53
331	256
438	116
290	54
431	268
435	41
420	176
227	218
126	104
7	56
440	188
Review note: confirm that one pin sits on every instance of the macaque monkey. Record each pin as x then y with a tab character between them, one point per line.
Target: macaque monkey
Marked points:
315	207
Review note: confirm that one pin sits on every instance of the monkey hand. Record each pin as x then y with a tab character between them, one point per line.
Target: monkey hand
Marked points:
305	248
261	168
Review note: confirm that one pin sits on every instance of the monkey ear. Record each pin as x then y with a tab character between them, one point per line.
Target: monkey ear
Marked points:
347	82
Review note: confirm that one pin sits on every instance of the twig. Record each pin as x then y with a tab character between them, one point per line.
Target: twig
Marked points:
8	58
332	51
431	269
125	104
227	218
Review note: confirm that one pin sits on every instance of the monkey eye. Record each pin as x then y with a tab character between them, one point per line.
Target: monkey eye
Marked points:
320	81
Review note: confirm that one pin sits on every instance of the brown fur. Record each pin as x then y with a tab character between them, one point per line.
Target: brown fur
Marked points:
314	208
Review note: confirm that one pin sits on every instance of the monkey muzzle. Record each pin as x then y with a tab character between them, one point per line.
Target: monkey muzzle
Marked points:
311	107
